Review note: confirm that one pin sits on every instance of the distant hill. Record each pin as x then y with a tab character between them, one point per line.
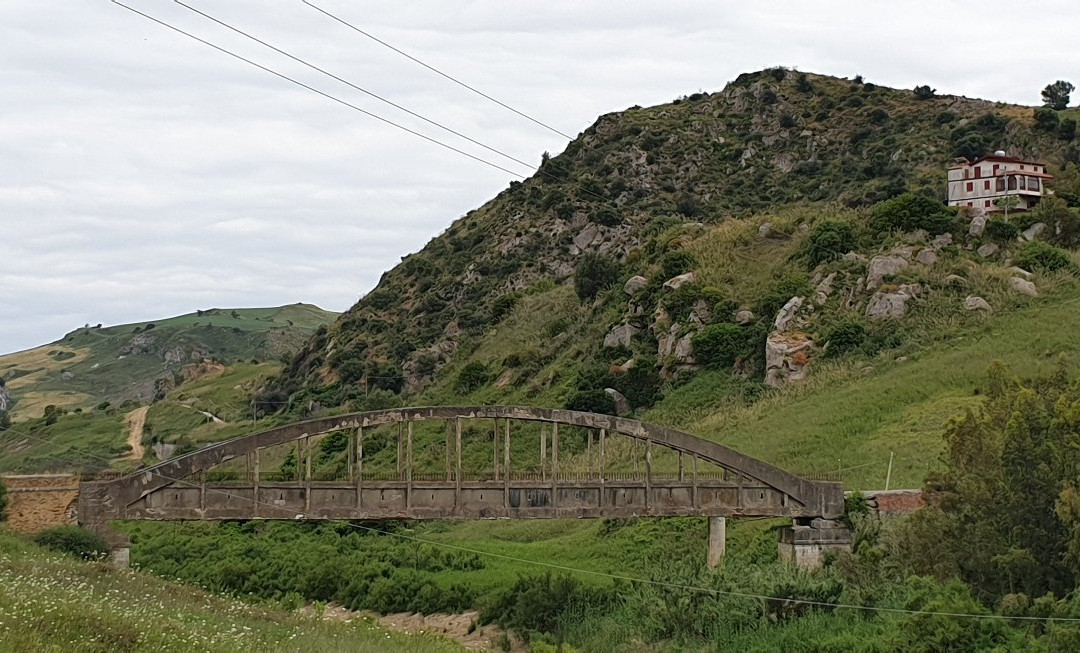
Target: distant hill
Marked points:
141	362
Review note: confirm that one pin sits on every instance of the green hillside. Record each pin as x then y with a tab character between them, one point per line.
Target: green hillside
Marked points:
141	362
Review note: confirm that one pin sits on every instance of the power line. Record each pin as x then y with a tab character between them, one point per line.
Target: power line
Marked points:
352	85
602	574
223	50
436	70
315	90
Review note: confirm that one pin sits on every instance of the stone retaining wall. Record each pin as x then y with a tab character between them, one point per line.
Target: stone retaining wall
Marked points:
40	501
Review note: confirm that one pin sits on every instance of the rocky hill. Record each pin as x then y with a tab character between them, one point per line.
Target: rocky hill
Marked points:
141	362
722	212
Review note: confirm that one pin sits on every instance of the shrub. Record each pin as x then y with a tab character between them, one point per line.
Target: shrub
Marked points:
718	345
672	264
502	306
910	211
591	401
471	377
3	500
1002	230
75	541
844	337
1038	255
924	92
828	241
1067	130
1046	119
593	274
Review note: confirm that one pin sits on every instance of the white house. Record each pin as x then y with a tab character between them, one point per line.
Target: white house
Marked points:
987	179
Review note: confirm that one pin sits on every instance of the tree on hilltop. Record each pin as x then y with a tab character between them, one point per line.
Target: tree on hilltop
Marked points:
1056	95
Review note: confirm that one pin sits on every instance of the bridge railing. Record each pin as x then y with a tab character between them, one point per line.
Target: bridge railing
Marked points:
224	476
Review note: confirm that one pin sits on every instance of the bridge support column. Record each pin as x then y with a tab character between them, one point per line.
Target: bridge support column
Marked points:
717	540
806	542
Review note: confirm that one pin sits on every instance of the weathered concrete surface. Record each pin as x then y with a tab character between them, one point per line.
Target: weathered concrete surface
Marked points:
40	501
805	546
717	540
750	486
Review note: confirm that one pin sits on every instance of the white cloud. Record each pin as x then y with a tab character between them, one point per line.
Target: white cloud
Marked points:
144	174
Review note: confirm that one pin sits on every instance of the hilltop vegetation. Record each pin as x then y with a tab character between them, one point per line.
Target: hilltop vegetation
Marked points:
141	362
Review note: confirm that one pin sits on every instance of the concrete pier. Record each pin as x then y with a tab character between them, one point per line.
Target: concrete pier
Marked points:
805	543
717	540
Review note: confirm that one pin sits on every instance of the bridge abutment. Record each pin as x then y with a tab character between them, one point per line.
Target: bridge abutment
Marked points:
806	542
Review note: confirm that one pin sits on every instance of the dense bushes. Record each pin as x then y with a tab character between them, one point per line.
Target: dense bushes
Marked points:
909	212
717	346
844	337
591	401
1038	255
471	377
546	604
336	562
594	273
828	241
75	541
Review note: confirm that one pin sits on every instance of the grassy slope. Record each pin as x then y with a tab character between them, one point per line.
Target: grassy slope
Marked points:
97	372
55	603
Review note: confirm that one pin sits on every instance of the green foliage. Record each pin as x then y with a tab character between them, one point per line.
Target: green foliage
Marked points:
593	274
471	377
3	500
717	346
1008	483
1002	231
52	414
969	143
1067	130
1044	257
828	241
924	92
845	336
1046	119
1056	95
545	604
503	304
591	401
910	211
672	264
1063	224
75	541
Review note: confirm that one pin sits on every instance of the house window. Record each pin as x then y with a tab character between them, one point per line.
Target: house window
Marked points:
1023	186
971	203
996	166
1012	182
978	171
986	203
986	185
999	185
1021	166
970	186
1033	183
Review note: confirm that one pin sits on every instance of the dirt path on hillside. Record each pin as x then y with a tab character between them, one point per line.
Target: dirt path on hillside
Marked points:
136	422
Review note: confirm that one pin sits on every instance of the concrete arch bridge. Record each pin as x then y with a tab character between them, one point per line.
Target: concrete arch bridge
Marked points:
708	479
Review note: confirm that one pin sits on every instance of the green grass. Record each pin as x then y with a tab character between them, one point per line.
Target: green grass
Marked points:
850	418
52	603
75	441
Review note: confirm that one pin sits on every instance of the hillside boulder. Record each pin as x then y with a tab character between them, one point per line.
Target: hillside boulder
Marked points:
975	303
787	357
881	267
891	305
622	404
675	283
744	317
977	225
927	256
1034	231
634	285
1023	286
987	250
621	335
785	318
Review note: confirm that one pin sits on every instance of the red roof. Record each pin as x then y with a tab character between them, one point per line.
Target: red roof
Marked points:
1007	159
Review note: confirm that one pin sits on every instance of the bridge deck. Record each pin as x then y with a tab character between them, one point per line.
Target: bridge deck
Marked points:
513	499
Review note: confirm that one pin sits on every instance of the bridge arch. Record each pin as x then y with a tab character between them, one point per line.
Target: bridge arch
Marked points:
133	496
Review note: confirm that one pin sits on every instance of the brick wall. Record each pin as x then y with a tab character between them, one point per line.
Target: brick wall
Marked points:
40	501
895	502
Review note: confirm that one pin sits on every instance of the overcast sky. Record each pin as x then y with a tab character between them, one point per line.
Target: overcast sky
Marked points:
143	174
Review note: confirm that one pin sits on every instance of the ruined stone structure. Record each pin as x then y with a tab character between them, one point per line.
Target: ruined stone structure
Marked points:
743	486
40	501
